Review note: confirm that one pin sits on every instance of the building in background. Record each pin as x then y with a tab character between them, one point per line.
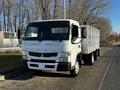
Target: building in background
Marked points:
8	39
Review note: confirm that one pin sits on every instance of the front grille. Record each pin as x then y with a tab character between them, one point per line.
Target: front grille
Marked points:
42	61
34	54
49	54
42	54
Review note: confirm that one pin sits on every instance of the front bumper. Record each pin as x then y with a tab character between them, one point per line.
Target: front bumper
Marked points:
57	66
63	66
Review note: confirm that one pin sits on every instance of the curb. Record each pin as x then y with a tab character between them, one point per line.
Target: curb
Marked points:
10	49
13	74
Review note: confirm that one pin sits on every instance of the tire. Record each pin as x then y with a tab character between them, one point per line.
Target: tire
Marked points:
95	55
89	59
98	52
75	71
85	59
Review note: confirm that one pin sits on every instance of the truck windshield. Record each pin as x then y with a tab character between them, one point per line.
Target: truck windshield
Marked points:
51	30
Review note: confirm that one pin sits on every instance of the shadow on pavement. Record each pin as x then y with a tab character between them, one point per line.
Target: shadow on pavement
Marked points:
51	74
118	45
25	75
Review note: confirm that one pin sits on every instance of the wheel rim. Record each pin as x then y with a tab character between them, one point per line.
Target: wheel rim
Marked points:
77	67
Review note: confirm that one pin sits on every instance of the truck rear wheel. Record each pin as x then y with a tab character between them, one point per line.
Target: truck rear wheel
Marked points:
95	55
89	60
98	52
74	72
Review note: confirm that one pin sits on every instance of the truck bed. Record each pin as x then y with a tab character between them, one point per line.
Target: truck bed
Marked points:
91	43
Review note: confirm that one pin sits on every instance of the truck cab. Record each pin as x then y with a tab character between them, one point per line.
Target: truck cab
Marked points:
53	45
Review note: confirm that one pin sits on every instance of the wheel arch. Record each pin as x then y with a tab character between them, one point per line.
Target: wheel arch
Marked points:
79	58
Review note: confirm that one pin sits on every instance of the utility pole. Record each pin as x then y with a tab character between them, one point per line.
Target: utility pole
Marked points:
64	9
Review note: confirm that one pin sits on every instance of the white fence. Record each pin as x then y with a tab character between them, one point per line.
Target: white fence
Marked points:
10	42
8	39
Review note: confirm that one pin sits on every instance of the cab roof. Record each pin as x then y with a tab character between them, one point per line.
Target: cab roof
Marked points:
50	20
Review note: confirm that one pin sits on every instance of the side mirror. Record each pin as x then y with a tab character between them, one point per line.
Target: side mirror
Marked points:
83	32
73	39
19	36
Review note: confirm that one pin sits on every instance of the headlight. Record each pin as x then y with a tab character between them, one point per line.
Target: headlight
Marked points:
24	55
63	59
64	56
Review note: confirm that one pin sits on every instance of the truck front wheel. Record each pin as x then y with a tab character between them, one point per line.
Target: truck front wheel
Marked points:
74	72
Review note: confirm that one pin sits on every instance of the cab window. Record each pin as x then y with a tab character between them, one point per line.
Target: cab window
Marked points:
74	31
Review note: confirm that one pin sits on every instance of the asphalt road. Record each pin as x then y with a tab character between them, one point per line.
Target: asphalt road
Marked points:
103	75
112	79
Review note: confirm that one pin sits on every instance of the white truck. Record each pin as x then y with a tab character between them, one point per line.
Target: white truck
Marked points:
59	45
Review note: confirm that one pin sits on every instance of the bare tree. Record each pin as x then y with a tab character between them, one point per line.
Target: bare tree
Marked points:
45	8
86	10
18	13
37	9
8	7
4	15
55	11
0	7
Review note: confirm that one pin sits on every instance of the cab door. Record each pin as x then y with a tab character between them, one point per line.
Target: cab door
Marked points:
75	43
